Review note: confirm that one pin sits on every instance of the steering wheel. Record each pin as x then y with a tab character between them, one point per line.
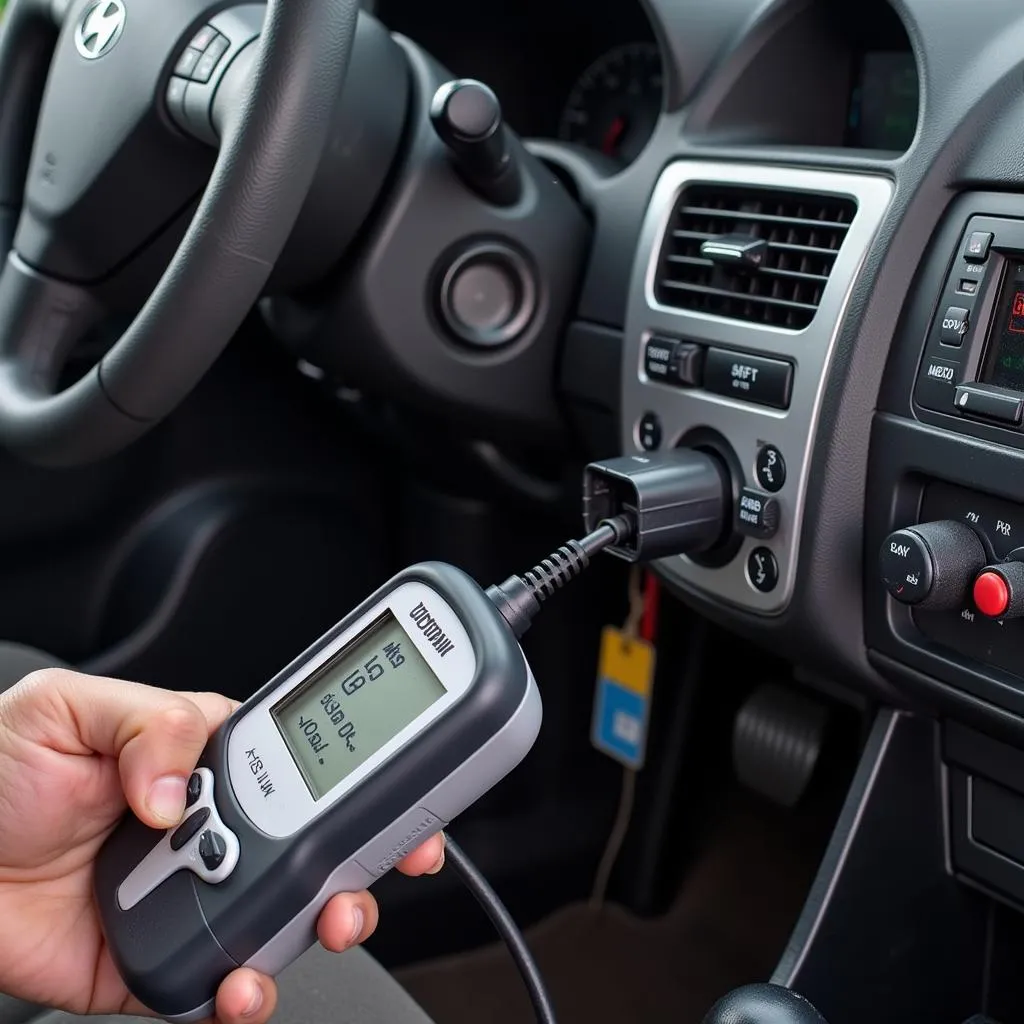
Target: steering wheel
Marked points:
107	175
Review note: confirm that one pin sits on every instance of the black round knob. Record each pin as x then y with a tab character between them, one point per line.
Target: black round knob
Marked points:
469	110
467	118
763	1004
932	565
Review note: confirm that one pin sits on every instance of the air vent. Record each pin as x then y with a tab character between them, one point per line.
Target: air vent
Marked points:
803	234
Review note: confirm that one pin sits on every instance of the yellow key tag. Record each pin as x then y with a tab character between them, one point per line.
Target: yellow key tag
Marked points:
625	678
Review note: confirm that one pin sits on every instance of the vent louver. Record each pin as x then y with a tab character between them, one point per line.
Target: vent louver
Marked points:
803	232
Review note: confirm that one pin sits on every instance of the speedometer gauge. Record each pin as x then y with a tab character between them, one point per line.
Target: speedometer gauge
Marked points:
614	106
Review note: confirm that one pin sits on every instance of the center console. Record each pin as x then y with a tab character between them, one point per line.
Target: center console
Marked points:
742	277
947	454
944	532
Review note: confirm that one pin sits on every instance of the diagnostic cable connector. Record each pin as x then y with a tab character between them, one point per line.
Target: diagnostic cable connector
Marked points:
519	598
638	507
680	502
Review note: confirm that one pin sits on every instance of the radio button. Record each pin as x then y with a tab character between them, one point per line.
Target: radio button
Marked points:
648	432
687	364
763	570
658	354
936	384
673	362
991	594
758	514
751	378
955	322
976	249
770	469
992	405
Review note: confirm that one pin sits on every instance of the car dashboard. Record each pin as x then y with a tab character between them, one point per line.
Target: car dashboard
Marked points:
861	377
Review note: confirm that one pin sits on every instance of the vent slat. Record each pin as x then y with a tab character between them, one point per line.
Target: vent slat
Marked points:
785	303
692	261
803	232
767	218
796	275
802	248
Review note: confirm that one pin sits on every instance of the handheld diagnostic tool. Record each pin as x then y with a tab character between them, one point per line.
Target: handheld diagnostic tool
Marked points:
390	725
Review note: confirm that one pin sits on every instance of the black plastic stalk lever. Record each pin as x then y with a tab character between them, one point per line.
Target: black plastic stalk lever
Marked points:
467	117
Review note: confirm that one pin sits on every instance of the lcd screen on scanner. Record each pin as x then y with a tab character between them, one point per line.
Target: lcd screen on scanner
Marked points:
362	698
1004	360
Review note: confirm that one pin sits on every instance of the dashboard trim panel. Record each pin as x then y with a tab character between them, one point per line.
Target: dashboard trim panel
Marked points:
745	426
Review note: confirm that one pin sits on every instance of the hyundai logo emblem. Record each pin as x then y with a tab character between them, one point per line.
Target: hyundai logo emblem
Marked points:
99	28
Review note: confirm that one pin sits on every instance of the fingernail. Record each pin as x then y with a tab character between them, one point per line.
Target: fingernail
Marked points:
255	1000
166	799
358	920
440	864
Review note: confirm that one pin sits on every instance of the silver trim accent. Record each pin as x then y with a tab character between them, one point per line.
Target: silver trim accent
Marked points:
747	427
100	28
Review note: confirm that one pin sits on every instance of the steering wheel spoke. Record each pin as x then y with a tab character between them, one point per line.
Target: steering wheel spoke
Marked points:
41	319
108	178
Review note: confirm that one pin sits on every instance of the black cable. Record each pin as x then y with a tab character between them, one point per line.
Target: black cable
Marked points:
519	598
506	928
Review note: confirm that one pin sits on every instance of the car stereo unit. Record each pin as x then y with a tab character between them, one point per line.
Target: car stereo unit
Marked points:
973	363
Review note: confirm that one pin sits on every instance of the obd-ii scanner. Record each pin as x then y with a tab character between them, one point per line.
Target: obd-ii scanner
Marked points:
386	728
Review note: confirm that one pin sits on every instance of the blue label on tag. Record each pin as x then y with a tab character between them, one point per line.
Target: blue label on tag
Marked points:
620	723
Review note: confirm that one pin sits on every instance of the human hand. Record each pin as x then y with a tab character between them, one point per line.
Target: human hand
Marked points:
76	751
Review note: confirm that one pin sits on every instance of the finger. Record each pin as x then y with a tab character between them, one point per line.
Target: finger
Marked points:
347	920
427	859
216	708
246	996
156	735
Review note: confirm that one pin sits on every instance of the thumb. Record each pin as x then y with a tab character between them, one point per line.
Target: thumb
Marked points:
160	751
156	735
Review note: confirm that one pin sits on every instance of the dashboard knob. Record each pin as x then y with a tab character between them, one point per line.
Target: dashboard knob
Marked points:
999	591
932	565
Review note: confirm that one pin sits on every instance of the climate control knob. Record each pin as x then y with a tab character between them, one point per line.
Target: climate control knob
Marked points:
999	591
932	565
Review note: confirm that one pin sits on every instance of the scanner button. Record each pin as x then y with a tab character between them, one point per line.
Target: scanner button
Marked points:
195	788
189	827
213	849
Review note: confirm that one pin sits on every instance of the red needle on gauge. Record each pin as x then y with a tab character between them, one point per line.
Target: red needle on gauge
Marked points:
613	136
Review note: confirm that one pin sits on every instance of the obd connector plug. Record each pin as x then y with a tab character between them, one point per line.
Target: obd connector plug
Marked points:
680	502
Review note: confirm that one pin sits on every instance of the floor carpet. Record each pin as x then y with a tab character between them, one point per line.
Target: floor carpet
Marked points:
603	966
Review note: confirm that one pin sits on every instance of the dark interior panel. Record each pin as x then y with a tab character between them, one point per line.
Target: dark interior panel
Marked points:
499	42
820	75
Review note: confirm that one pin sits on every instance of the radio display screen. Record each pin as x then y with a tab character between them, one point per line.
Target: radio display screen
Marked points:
1004	360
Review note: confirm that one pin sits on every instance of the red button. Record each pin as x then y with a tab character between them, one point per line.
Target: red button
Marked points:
991	594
